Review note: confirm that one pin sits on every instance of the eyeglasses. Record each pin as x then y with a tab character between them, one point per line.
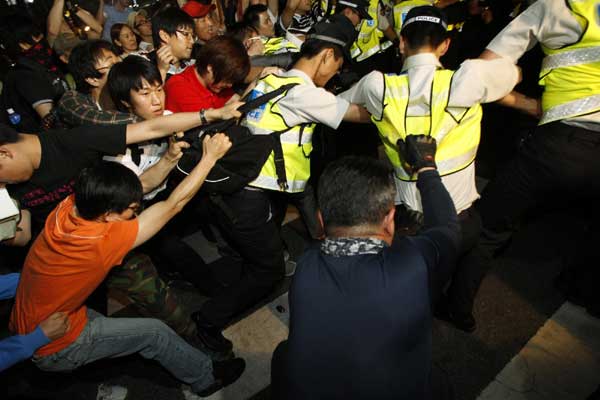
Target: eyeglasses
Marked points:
187	34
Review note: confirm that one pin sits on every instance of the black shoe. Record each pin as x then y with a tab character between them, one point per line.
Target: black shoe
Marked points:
211	336
464	322
225	373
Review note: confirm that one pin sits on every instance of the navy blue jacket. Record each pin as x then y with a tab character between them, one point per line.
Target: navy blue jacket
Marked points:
360	326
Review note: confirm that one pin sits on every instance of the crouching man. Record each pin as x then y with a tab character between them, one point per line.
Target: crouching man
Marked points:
360	323
86	235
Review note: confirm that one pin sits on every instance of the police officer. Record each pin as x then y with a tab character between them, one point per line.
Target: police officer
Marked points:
427	99
559	161
251	219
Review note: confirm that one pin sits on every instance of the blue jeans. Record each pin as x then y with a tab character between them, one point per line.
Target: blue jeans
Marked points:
105	337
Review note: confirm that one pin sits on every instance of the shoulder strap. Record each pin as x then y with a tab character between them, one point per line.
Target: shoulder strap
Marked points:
221	126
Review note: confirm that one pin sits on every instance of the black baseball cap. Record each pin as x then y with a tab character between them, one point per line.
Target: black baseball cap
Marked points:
8	134
426	14
361	7
336	29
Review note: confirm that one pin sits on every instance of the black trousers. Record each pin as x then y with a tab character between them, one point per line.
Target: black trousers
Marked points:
558	163
246	220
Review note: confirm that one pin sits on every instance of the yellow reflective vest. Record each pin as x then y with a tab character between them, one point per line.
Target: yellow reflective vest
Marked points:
402	8
368	42
457	133
296	142
278	45
571	75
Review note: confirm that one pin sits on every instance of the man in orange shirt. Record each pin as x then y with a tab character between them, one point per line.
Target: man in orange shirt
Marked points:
86	235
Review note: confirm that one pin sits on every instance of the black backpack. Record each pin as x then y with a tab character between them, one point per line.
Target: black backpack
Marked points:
248	153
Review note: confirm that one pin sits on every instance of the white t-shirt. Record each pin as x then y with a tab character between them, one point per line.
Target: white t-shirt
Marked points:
151	153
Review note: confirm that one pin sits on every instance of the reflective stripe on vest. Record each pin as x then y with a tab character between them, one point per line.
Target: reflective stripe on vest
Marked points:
571	74
456	131
278	45
369	36
296	142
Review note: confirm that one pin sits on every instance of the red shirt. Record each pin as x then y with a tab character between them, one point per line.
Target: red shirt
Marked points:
186	93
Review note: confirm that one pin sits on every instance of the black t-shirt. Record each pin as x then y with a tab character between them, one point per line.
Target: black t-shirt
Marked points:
64	154
25	89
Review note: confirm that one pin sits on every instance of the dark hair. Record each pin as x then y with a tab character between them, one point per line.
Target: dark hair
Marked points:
106	187
313	47
420	34
82	62
240	31
252	14
355	191
127	75
8	134
115	31
169	21
18	29
228	58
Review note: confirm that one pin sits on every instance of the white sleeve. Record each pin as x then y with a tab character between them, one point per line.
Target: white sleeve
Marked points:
307	104
368	92
546	21
482	81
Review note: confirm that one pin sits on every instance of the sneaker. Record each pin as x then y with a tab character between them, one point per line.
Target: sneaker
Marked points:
106	392
211	336
225	373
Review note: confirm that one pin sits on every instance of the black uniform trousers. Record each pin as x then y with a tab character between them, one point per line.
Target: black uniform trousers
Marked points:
250	221
558	163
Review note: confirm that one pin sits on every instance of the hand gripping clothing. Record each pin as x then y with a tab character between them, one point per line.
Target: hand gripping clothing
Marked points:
571	74
296	141
456	132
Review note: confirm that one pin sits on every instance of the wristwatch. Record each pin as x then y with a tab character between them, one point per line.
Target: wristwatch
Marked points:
203	117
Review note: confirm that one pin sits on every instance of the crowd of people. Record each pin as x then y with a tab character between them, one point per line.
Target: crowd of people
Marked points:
125	128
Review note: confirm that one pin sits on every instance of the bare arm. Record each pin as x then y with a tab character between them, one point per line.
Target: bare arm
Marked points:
167	124
54	21
100	12
519	101
357	113
43	109
488	55
288	12
273	6
155	217
155	175
95	27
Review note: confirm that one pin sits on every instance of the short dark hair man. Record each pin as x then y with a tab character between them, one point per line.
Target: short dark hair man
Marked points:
85	236
173	35
360	323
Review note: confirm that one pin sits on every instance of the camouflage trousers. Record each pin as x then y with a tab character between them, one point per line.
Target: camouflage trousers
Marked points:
136	281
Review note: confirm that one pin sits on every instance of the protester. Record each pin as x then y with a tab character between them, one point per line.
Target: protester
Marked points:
124	40
221	64
99	220
117	13
142	27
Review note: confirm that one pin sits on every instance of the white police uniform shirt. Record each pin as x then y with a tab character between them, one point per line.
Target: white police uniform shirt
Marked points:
476	81
549	22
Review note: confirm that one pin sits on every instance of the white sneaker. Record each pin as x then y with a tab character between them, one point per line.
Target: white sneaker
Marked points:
290	266
106	392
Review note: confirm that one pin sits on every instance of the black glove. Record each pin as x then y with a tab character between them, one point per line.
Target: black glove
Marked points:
418	151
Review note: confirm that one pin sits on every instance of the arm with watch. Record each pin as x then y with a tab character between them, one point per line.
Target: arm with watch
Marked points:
167	124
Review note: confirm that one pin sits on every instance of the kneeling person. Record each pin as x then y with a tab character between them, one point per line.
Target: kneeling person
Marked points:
86	235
